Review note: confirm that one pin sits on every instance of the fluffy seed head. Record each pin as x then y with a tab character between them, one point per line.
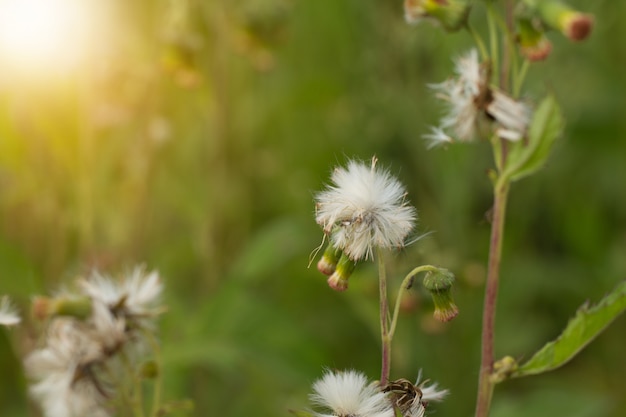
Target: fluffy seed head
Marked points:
348	394
365	207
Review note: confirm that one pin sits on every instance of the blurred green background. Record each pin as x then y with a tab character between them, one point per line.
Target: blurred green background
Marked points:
191	138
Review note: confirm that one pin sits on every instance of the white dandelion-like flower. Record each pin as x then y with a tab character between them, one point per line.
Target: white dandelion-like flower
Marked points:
460	95
364	208
135	297
8	313
470	100
348	394
66	384
91	340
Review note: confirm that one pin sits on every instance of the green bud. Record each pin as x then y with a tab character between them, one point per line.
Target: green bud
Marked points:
451	14
571	23
503	369
439	284
338	281
532	41
78	307
329	260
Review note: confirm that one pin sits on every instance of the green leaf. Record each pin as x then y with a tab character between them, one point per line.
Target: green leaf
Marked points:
588	323
526	157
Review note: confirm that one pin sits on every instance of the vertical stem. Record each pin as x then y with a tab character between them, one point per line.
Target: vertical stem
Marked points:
384	320
485	386
508	47
493	38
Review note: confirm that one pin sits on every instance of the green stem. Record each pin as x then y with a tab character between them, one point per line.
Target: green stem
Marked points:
384	320
407	282
158	380
485	386
519	80
493	38
479	41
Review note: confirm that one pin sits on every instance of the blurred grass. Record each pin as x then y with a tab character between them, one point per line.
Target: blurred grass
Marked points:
196	147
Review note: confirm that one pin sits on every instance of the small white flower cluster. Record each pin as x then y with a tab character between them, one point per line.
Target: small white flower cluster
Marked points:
471	101
8	313
76	371
364	208
349	394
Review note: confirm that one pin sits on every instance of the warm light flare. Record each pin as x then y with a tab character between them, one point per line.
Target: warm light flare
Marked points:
43	34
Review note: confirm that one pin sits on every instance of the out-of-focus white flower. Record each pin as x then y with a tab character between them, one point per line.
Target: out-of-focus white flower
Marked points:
66	384
460	95
107	330
8	313
364	208
513	116
471	100
348	394
134	297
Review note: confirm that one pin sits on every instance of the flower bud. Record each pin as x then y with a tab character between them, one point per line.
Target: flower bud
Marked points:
503	369
439	284
338	281
451	14
572	23
329	260
533	43
78	307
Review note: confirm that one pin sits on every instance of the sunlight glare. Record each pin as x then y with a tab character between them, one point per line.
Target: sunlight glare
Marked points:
43	34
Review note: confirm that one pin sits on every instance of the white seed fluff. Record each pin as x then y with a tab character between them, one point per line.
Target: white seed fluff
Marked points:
364	208
348	394
8	313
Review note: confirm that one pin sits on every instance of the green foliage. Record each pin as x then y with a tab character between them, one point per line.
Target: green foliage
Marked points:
588	323
207	174
525	158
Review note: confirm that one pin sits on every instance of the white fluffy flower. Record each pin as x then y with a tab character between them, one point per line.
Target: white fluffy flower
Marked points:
8	313
364	208
134	297
348	394
66	385
471	100
460	94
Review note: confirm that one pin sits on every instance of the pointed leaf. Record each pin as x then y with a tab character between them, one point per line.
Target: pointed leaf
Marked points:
588	323
527	157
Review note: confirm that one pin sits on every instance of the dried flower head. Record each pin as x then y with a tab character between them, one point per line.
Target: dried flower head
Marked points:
8	313
472	102
135	297
348	394
364	208
88	333
411	399
67	385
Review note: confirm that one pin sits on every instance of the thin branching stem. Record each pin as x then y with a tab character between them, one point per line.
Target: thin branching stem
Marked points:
485	385
479	41
407	282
